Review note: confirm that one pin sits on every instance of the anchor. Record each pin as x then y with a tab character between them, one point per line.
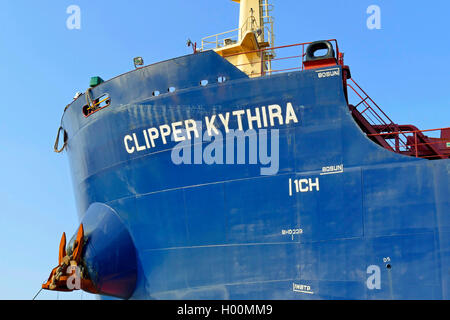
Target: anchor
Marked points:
70	274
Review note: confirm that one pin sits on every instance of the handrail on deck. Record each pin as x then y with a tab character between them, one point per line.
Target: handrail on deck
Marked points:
298	65
217	39
397	138
251	24
421	146
283	47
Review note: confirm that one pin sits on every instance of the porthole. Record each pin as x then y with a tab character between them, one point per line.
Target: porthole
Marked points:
221	79
172	89
204	83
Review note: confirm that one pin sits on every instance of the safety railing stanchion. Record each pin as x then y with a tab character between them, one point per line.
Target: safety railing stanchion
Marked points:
415	144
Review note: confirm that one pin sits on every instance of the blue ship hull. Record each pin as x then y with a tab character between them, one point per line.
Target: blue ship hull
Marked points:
377	226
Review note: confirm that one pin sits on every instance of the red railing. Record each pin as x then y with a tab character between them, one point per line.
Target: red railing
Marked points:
403	139
274	53
421	146
378	120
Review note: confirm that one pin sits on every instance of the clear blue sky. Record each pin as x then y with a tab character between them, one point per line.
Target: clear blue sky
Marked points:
42	65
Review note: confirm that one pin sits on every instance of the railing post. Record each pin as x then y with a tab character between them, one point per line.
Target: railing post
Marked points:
415	144
303	55
262	62
397	142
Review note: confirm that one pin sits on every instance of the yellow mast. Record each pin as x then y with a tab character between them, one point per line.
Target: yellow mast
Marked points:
255	32
250	17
